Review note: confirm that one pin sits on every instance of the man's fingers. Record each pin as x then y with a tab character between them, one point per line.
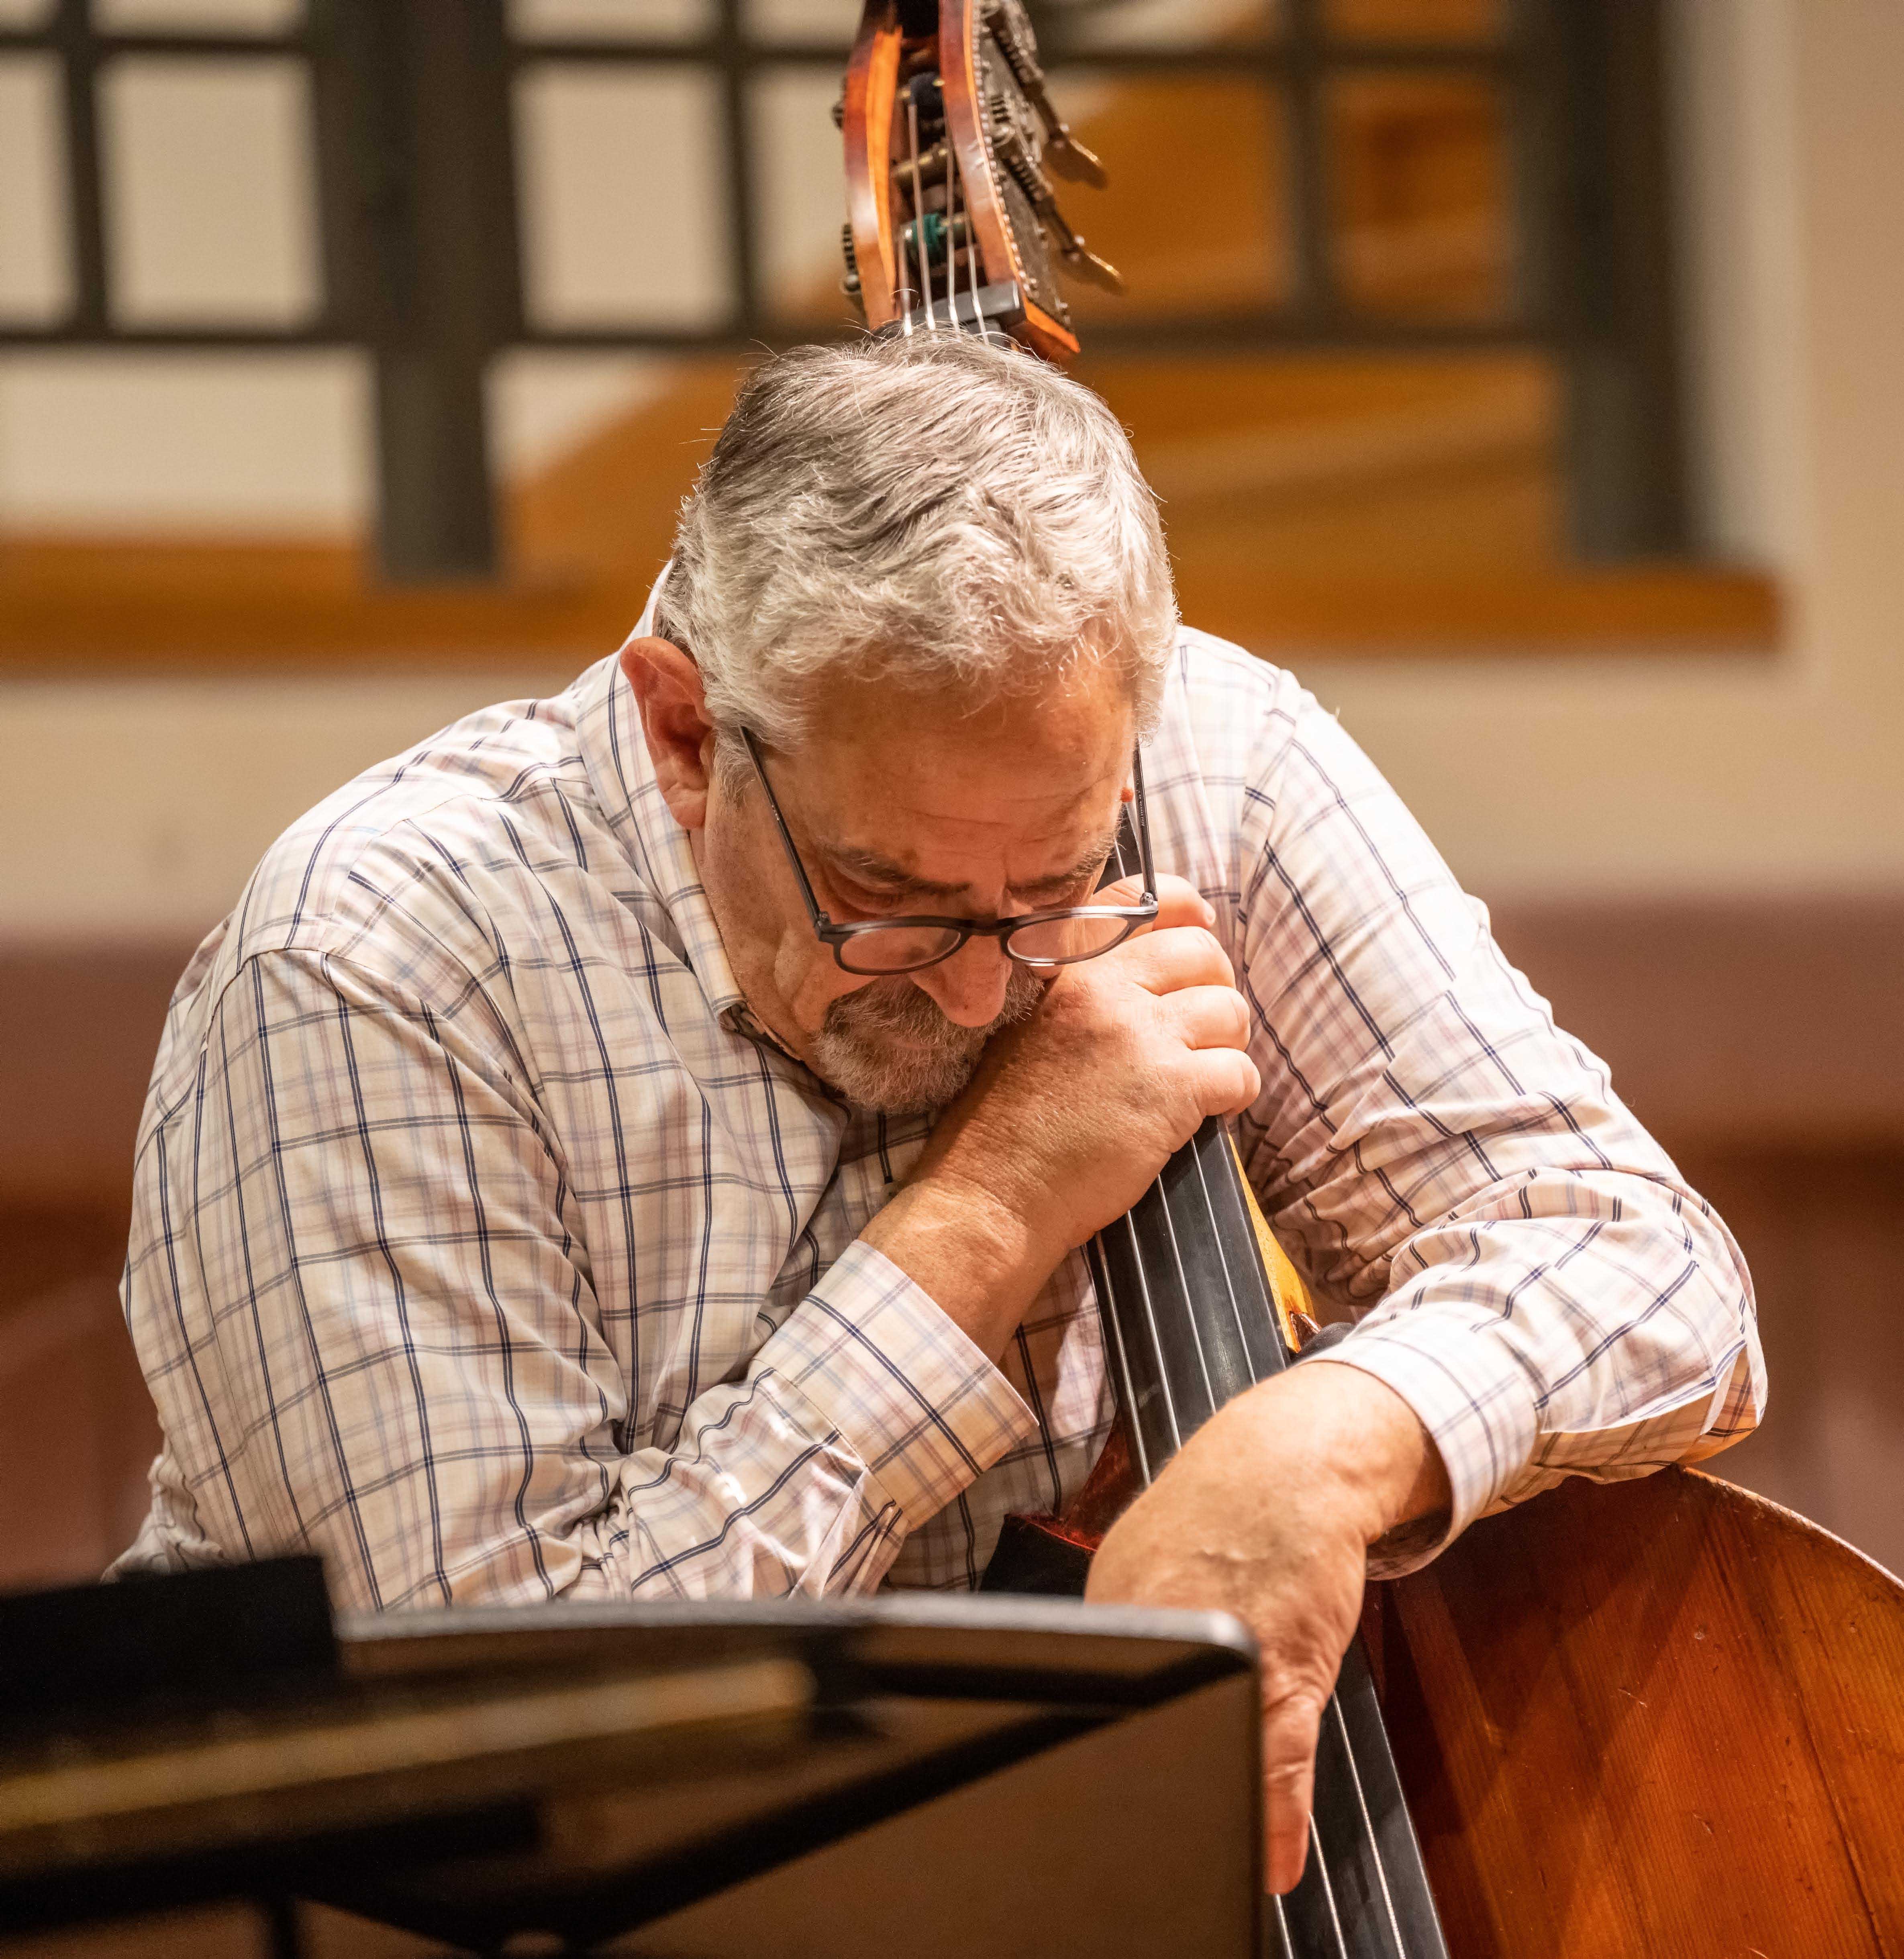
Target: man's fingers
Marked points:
1227	1080
1165	960
1209	1016
1289	1729
1178	902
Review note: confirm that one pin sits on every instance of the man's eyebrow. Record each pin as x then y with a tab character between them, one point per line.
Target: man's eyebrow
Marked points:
870	867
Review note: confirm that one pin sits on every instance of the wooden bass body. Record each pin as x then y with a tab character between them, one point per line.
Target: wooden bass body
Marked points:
1662	1717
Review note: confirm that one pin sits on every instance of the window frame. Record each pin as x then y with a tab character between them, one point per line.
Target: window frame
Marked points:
419	222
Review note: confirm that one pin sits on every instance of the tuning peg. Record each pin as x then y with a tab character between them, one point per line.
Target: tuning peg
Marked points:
1087	265
1069	158
1077	257
1062	151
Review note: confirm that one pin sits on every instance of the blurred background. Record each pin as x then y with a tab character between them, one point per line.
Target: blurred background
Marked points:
1523	374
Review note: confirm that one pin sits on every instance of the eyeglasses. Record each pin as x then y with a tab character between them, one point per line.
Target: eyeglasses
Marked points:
1044	939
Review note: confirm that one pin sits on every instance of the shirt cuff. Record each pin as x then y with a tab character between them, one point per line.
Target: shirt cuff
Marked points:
918	1402
1474	1398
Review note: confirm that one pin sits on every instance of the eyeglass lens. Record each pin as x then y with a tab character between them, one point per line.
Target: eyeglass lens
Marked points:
1059	941
901	948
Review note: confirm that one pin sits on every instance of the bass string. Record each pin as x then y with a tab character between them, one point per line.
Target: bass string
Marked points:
919	211
958	204
952	215
952	202
1229	1284
1196	1339
908	299
1135	1428
972	240
1156	1335
957	196
1333	1706
1150	1319
1125	869
1183	1274
1131	1420
1328	1890
1368	1822
1129	1399
1315	1840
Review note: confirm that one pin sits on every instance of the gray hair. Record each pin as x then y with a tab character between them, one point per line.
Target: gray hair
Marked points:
933	510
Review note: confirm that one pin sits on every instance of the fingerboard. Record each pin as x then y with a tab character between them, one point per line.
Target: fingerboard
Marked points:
1191	1319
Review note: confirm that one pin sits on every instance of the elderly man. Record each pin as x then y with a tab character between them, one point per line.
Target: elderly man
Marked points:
549	1186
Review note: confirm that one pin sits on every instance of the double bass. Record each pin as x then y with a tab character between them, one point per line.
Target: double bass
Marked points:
1657	1716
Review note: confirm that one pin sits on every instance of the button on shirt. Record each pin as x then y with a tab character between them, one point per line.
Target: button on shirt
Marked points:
483	1242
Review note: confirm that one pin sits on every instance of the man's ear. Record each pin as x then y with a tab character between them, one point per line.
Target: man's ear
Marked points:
674	720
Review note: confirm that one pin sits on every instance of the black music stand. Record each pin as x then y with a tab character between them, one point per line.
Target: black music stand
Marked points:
922	1775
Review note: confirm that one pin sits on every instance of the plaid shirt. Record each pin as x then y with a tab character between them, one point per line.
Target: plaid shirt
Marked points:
482	1241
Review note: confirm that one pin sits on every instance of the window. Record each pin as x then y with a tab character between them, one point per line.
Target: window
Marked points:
1398	268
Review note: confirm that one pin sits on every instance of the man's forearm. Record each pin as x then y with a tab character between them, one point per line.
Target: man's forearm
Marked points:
1579	1322
978	1262
1368	1439
1352	1440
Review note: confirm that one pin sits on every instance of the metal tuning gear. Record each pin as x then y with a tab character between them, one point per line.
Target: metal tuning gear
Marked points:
1015	147
1012	29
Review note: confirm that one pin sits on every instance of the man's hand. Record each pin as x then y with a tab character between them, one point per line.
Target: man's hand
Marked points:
1268	1513
1070	1117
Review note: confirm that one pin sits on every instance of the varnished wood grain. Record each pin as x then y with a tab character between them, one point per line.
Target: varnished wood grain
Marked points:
1665	1717
871	76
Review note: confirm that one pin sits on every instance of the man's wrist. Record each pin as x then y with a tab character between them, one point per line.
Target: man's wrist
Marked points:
1361	1439
978	1260
1386	1448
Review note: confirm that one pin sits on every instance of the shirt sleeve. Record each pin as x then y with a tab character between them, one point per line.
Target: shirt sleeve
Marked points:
359	1295
1530	1272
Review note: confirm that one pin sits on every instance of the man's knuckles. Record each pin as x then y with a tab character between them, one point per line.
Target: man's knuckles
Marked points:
1207	1016
1175	1057
1169	958
1178	901
1223	1081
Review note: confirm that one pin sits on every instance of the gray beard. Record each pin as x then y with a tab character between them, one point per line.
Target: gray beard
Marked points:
888	1047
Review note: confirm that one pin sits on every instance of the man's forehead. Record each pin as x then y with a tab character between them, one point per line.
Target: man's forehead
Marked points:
1078	704
898	785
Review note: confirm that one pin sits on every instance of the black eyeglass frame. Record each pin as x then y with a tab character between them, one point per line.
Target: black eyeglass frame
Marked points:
839	936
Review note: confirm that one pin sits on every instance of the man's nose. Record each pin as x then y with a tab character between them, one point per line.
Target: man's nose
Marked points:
969	988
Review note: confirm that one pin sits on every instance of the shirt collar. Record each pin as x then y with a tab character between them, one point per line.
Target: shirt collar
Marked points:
615	753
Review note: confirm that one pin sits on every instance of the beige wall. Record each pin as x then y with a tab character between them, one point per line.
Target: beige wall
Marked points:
135	808
1606	776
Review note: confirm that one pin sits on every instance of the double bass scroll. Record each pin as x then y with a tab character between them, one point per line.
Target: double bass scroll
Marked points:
953	220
